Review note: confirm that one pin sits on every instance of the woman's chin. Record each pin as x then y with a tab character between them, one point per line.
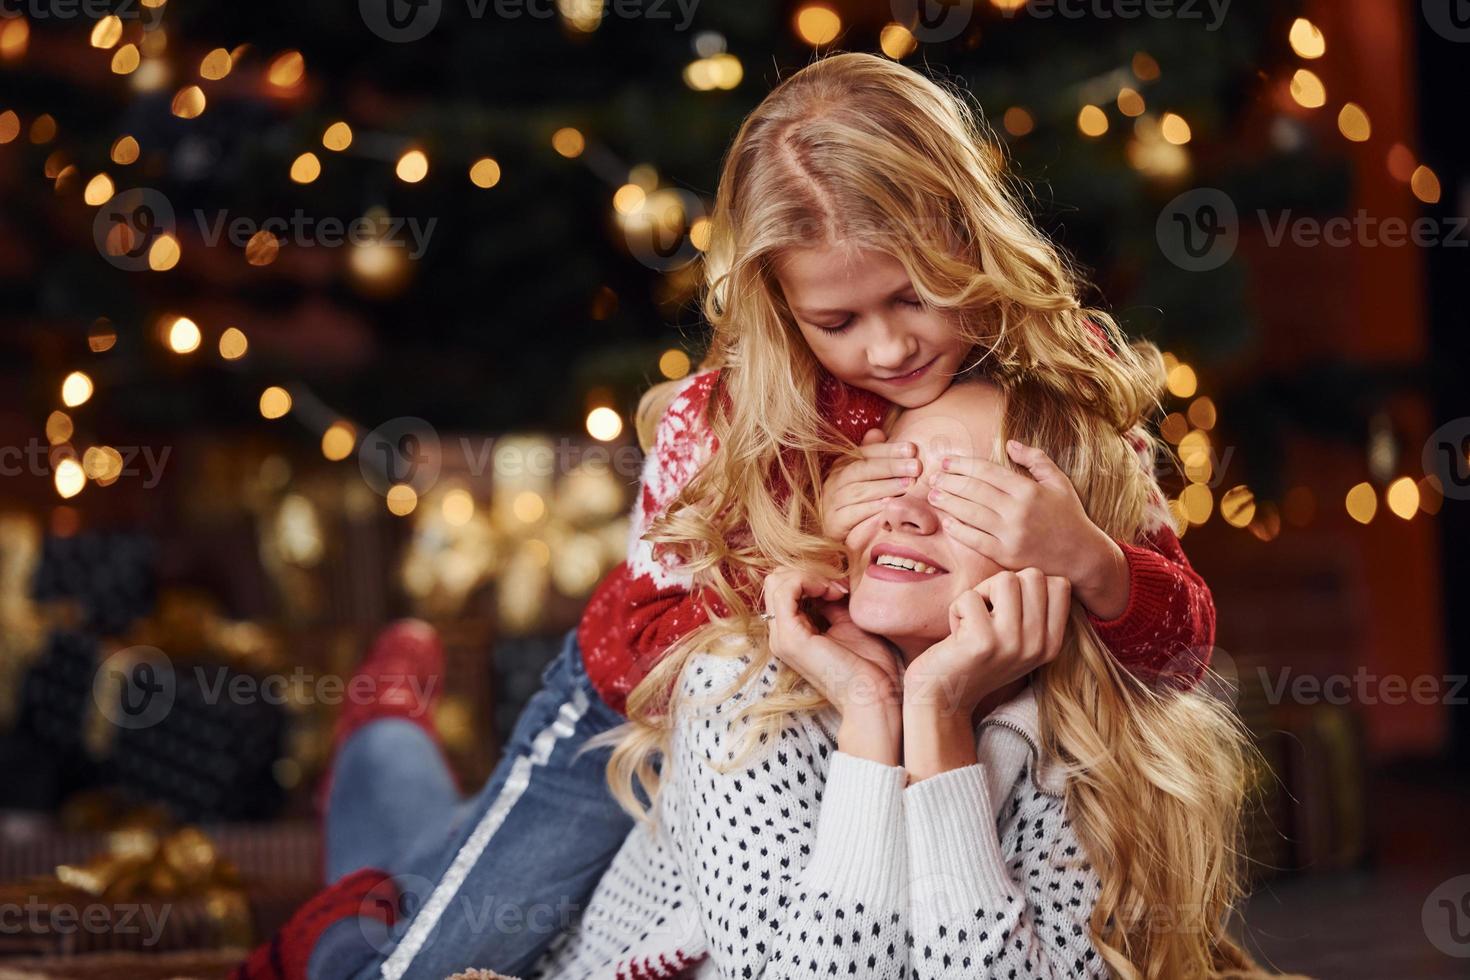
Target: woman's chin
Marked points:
896	621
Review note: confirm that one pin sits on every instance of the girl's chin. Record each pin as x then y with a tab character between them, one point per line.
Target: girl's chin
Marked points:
897	622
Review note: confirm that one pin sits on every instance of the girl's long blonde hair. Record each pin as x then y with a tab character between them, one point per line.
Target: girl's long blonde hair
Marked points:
860	150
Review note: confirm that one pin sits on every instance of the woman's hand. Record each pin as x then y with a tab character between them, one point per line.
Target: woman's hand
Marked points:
1000	631
1021	521
856	489
854	670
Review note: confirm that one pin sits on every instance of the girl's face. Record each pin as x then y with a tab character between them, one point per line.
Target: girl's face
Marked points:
861	317
907	604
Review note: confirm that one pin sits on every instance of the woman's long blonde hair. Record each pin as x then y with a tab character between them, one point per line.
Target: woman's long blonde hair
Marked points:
858	149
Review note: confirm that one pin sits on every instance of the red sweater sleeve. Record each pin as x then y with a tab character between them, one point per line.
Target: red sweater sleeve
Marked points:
1167	631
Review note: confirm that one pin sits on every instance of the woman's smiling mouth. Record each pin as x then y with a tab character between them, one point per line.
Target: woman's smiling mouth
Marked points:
895	564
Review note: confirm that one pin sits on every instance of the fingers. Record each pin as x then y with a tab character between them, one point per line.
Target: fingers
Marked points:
1037	462
978	515
873	437
972	537
782	594
1003	591
858	492
1005	480
1034	606
1058	611
877	468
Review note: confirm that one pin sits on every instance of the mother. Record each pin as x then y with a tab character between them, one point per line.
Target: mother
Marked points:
979	792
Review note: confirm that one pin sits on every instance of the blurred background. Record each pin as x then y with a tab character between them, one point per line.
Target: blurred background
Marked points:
316	315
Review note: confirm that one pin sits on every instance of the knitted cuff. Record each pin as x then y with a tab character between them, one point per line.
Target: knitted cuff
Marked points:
859	851
955	864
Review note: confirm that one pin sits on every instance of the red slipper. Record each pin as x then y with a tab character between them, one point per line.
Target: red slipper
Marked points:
401	677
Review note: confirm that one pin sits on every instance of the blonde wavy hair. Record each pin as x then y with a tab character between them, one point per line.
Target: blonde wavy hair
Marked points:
859	150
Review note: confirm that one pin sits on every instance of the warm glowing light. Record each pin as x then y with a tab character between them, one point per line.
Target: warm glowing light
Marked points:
1403	497
102	464
15	37
897	41
1145	68
125	151
1362	503
412	167
568	142
107	32
125	60
9	126
184	336
1018	122
485	172
338	441
1092	121
1425	185
233	344
164	253
1238	506
402	499
1175	129
189	102
528	506
1306	39
1198	503
59	428
216	65
1182	381
338	137
604	424
458	507
76	389
306	168
1174	427
673	364
287	70
263	248
99	190
1130	103
1202	413
275	402
1353	123
69	478
43	129
1307	89
817	25
628	198
1401	162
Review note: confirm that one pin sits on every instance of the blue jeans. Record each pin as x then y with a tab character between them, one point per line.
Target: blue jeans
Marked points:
486	881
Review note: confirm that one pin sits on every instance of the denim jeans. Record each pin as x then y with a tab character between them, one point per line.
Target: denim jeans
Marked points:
486	881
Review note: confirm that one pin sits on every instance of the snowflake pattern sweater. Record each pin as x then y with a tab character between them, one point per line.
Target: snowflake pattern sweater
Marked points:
647	603
808	862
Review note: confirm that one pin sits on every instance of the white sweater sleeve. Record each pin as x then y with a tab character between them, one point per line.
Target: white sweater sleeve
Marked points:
989	902
790	877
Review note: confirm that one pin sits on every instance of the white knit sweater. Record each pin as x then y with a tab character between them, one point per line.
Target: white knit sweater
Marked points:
809	862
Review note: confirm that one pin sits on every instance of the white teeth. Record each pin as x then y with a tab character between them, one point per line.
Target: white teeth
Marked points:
893	561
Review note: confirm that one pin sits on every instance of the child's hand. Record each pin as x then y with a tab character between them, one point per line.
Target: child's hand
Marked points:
854	491
1038	521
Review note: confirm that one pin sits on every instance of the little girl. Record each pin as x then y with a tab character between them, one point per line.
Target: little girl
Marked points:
866	247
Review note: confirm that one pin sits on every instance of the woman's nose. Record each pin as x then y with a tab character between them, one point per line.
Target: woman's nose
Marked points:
911	511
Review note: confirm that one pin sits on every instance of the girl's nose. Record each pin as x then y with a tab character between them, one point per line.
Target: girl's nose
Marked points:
891	347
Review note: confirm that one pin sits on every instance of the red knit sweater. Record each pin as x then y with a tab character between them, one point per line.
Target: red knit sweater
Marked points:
646	604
